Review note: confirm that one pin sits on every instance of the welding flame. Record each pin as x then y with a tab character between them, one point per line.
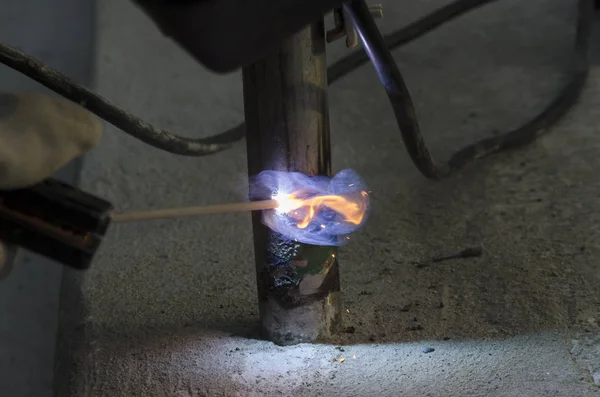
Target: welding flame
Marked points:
304	210
314	210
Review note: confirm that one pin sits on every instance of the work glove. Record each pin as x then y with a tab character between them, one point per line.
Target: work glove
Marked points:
39	134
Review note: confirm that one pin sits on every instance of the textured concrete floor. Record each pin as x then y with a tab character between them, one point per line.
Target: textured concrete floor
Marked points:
29	297
169	307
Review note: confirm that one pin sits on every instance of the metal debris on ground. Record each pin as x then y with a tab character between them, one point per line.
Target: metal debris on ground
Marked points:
472	252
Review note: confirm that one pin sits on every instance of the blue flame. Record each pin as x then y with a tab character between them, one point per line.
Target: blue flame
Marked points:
327	227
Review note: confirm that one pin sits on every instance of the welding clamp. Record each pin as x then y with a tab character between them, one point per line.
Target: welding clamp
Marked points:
54	219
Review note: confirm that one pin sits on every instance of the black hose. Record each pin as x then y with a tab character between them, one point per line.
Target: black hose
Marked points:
175	144
406	116
116	116
405	35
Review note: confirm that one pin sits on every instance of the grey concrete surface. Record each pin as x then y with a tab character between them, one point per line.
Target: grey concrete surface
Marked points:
169	307
61	34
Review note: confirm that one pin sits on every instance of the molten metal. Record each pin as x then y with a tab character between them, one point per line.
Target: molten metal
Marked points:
314	210
304	210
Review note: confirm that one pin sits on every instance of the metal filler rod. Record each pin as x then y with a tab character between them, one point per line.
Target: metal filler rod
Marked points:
184	212
287	129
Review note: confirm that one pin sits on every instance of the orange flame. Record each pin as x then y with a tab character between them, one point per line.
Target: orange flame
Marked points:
353	208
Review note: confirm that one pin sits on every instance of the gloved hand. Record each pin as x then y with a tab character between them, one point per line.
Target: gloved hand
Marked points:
39	134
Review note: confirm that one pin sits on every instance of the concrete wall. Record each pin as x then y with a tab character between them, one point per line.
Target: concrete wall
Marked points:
60	33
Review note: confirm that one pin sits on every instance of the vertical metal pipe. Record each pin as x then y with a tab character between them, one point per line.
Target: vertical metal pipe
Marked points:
287	129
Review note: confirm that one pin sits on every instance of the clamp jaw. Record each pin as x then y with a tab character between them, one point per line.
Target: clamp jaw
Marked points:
54	219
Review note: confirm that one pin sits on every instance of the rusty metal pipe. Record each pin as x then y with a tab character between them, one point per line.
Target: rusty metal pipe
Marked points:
287	128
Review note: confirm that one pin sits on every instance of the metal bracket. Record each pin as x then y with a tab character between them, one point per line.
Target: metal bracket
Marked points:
343	26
